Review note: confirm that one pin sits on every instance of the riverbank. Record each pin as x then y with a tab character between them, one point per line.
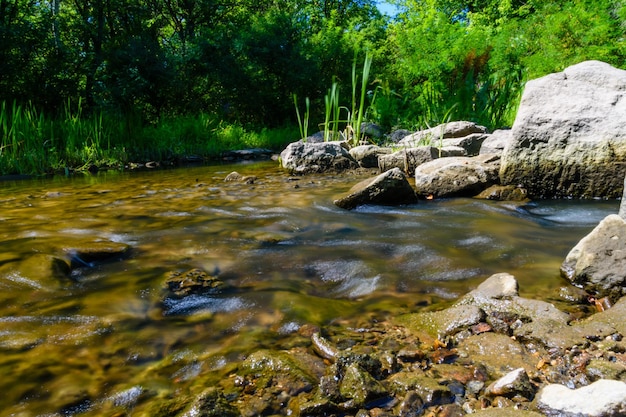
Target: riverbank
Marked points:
31	143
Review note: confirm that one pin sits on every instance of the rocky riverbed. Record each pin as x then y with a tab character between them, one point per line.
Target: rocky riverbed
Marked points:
492	353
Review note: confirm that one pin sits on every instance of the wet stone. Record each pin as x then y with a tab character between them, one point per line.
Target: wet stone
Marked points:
498	353
514	383
428	389
194	281
410	406
39	271
269	368
452	372
359	386
439	324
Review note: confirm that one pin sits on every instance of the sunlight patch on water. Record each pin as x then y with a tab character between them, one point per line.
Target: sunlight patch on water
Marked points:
358	287
196	303
125	398
397	210
577	214
288	328
219	211
174	214
455	275
354	277
17	278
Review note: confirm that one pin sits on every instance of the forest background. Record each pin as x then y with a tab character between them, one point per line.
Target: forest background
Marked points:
88	83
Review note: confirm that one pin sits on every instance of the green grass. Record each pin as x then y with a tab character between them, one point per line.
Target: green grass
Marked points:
336	127
32	143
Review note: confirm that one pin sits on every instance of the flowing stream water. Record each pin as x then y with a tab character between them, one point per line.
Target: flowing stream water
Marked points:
107	341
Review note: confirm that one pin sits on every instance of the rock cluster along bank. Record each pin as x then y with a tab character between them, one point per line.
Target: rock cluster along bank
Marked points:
568	141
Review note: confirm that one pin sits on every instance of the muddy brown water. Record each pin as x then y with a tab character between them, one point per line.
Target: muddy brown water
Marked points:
103	343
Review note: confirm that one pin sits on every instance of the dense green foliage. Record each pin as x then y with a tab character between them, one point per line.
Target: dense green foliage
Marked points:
107	81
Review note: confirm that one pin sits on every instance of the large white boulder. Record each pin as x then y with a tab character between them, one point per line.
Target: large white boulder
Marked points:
569	136
603	398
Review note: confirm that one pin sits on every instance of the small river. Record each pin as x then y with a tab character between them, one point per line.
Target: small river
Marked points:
107	341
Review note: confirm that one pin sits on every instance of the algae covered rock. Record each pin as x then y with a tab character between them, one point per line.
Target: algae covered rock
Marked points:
359	386
194	281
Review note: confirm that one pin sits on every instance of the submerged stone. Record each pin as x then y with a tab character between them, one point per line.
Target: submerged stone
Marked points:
84	253
194	281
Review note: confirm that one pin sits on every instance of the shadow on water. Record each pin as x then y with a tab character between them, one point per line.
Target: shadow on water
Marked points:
109	335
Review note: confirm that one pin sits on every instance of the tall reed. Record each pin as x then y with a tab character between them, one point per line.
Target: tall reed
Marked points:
303	124
358	115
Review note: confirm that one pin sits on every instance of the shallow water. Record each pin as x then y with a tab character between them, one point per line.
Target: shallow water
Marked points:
108	340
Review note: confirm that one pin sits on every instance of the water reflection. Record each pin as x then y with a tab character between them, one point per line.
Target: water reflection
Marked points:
109	337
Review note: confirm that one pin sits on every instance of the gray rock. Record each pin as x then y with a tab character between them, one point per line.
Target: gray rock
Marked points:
367	155
449	151
397	135
372	130
237	177
471	143
496	142
532	315
504	193
388	188
307	158
534	319
233	177
498	353
514	383
569	136
603	398
439	324
393	160
598	261
408	159
455	177
498	286
458	129
317	137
